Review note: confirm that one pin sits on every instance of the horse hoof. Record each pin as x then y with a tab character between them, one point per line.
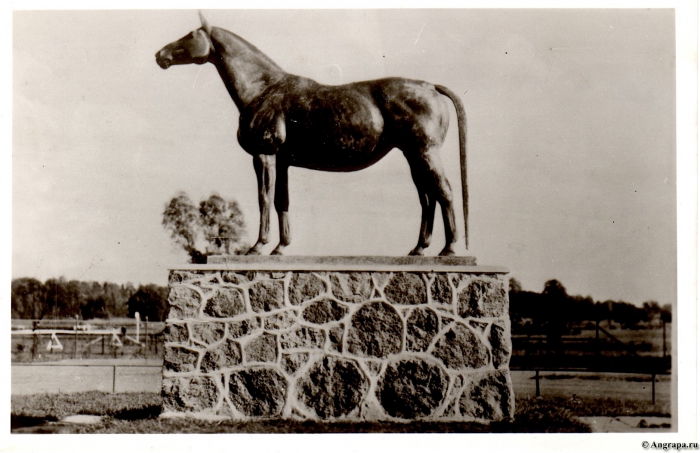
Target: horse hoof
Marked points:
253	251
447	252
416	252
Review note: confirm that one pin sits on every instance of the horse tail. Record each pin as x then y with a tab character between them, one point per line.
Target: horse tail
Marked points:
462	124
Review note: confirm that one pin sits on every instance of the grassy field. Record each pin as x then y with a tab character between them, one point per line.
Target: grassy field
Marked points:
139	413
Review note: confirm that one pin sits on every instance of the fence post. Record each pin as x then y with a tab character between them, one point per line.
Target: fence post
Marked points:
75	349
114	378
653	388
537	382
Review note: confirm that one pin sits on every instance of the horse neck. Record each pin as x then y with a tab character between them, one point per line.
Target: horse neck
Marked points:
246	71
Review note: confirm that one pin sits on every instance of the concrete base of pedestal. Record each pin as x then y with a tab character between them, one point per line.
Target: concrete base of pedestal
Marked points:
339	338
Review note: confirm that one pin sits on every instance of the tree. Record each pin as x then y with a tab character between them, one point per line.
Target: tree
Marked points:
222	224
514	285
556	307
217	227
94	308
666	311
149	301
28	298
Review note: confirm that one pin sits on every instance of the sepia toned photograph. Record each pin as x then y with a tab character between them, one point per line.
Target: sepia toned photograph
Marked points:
350	221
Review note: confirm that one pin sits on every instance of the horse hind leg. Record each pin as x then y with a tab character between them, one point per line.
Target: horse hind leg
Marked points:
444	197
427	202
438	187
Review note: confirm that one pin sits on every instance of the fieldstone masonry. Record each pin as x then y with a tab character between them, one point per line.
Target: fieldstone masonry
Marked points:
353	339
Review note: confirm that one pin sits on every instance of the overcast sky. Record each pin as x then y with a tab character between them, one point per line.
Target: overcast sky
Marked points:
572	170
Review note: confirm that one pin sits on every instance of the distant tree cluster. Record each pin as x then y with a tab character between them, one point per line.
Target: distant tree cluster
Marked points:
60	298
215	227
555	312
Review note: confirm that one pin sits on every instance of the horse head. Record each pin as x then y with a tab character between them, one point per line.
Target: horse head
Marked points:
193	48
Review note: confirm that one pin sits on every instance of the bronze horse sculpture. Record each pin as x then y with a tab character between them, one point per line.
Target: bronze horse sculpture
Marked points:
287	120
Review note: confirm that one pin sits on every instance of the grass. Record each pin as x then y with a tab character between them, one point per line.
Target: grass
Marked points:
139	413
112	405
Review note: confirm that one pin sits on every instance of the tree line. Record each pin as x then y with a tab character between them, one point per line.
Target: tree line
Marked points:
554	312
61	298
215	226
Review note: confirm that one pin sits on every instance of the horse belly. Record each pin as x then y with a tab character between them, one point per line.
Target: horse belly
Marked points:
334	132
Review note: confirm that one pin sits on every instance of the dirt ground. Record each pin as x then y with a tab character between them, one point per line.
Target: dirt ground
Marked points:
102	375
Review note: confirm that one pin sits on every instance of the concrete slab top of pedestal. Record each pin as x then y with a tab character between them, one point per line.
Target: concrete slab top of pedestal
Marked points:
346	263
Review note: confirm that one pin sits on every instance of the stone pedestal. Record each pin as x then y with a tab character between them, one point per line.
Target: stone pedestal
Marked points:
339	338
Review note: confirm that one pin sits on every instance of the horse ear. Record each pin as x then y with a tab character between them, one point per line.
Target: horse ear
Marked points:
205	24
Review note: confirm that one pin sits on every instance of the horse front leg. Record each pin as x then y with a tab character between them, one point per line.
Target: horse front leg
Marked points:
265	171
282	207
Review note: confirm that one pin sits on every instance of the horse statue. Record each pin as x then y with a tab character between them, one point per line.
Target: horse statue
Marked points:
288	120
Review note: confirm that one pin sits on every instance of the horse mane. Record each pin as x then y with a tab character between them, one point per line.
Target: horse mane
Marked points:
229	40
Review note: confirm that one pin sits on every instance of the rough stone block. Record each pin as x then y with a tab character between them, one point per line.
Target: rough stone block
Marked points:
191	394
303	337
184	303
180	359
292	362
333	387
352	286
237	329
280	321
421	327
237	278
460	348
226	303
258	392
412	388
262	349
305	286
489	397
324	311
500	344
407	289
224	355
483	297
267	296
440	290
376	330
176	333
335	336
183	276
208	332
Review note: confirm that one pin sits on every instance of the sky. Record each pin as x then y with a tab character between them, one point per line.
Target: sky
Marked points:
571	140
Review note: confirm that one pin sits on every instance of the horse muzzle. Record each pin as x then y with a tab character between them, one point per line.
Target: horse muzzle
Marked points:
164	61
